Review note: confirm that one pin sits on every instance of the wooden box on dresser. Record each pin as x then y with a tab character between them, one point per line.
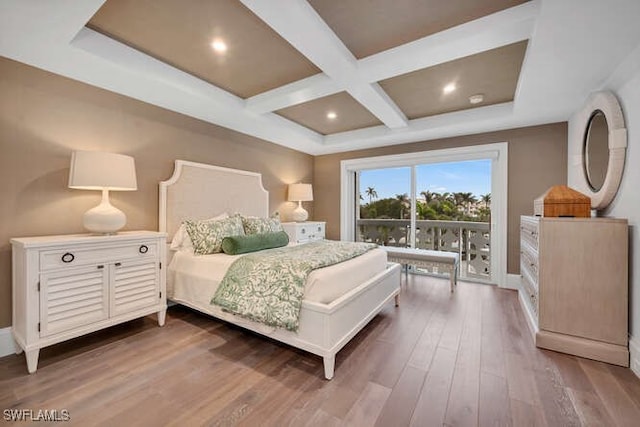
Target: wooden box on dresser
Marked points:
302	232
67	286
575	282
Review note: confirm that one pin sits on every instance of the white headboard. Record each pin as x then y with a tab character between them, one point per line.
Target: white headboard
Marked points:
199	191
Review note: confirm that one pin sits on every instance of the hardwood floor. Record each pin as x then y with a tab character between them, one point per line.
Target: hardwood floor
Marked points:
439	359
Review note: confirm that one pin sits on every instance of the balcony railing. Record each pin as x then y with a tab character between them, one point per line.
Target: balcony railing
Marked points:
470	240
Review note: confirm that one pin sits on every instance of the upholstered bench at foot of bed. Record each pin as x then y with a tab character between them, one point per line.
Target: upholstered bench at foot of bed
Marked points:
445	261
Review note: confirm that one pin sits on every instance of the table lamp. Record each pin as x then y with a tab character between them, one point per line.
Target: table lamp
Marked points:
95	170
300	193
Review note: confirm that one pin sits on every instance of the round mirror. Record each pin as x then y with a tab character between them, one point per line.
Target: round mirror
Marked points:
596	150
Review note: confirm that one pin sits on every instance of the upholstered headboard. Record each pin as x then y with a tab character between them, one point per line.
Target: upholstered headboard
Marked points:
199	191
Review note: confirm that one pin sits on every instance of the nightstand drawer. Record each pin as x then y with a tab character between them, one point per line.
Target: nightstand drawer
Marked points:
300	232
311	231
78	255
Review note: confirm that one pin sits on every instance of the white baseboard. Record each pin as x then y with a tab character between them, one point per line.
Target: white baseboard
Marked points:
634	350
513	282
7	345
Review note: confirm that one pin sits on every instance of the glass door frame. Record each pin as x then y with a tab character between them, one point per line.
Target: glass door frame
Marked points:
497	153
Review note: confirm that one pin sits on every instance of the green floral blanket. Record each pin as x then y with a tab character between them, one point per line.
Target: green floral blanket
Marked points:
268	286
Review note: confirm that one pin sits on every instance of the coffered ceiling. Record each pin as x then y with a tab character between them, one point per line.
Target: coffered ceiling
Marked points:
325	76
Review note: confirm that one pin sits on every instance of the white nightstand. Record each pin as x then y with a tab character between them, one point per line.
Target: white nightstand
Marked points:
67	286
302	232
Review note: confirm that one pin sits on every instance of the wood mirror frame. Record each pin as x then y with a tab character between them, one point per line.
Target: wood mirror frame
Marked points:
606	103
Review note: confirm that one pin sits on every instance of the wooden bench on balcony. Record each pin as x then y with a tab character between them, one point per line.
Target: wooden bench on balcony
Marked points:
446	262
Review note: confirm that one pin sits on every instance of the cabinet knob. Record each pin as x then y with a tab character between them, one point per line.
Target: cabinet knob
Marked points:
303	231
68	257
143	249
319	228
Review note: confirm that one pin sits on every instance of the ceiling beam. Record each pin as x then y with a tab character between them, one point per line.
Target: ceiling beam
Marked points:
490	32
302	27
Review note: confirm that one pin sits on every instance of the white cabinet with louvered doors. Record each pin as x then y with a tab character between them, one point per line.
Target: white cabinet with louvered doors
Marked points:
67	286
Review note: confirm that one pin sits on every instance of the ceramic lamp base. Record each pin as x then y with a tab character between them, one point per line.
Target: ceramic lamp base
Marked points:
299	214
104	218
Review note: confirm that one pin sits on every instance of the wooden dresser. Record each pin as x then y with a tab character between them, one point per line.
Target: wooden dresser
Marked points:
575	285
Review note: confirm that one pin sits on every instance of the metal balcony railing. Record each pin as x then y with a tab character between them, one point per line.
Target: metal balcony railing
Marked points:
470	240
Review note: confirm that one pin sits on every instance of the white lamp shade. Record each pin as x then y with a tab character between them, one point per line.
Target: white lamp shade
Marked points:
95	170
300	193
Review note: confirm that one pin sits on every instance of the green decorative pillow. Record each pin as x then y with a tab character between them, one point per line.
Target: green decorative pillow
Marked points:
255	225
206	236
242	244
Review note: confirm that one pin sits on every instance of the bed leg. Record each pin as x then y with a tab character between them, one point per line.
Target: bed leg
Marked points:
329	364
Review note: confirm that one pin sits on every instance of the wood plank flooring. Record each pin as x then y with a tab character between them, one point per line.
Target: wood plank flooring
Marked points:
437	360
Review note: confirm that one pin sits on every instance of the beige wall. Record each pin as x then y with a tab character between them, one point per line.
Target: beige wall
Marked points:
537	160
43	117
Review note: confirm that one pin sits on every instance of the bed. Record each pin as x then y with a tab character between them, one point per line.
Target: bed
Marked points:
339	300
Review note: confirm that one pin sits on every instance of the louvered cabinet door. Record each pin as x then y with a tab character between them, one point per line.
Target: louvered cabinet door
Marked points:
135	285
72	298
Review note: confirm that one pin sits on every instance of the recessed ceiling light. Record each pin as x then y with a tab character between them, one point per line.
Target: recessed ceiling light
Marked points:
331	115
449	88
219	46
476	99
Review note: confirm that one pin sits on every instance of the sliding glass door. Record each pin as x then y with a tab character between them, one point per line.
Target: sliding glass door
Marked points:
437	203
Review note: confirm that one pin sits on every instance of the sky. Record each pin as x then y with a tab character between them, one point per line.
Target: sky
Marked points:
467	177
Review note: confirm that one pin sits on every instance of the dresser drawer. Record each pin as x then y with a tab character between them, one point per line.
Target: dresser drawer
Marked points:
529	262
529	232
79	255
531	294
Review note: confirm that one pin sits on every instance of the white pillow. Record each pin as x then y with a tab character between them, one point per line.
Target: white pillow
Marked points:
181	240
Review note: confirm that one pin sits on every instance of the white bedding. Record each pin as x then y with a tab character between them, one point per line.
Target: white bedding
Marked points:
195	278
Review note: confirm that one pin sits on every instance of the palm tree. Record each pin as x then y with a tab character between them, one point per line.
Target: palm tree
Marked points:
467	200
486	199
428	196
404	203
458	199
371	193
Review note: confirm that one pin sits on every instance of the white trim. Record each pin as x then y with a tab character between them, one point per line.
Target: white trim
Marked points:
514	281
634	352
497	152
7	343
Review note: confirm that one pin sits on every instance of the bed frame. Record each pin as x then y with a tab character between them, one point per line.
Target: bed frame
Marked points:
201	191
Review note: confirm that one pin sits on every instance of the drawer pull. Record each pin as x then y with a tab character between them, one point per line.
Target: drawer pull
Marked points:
319	228
143	249
100	267
68	257
303	231
118	264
